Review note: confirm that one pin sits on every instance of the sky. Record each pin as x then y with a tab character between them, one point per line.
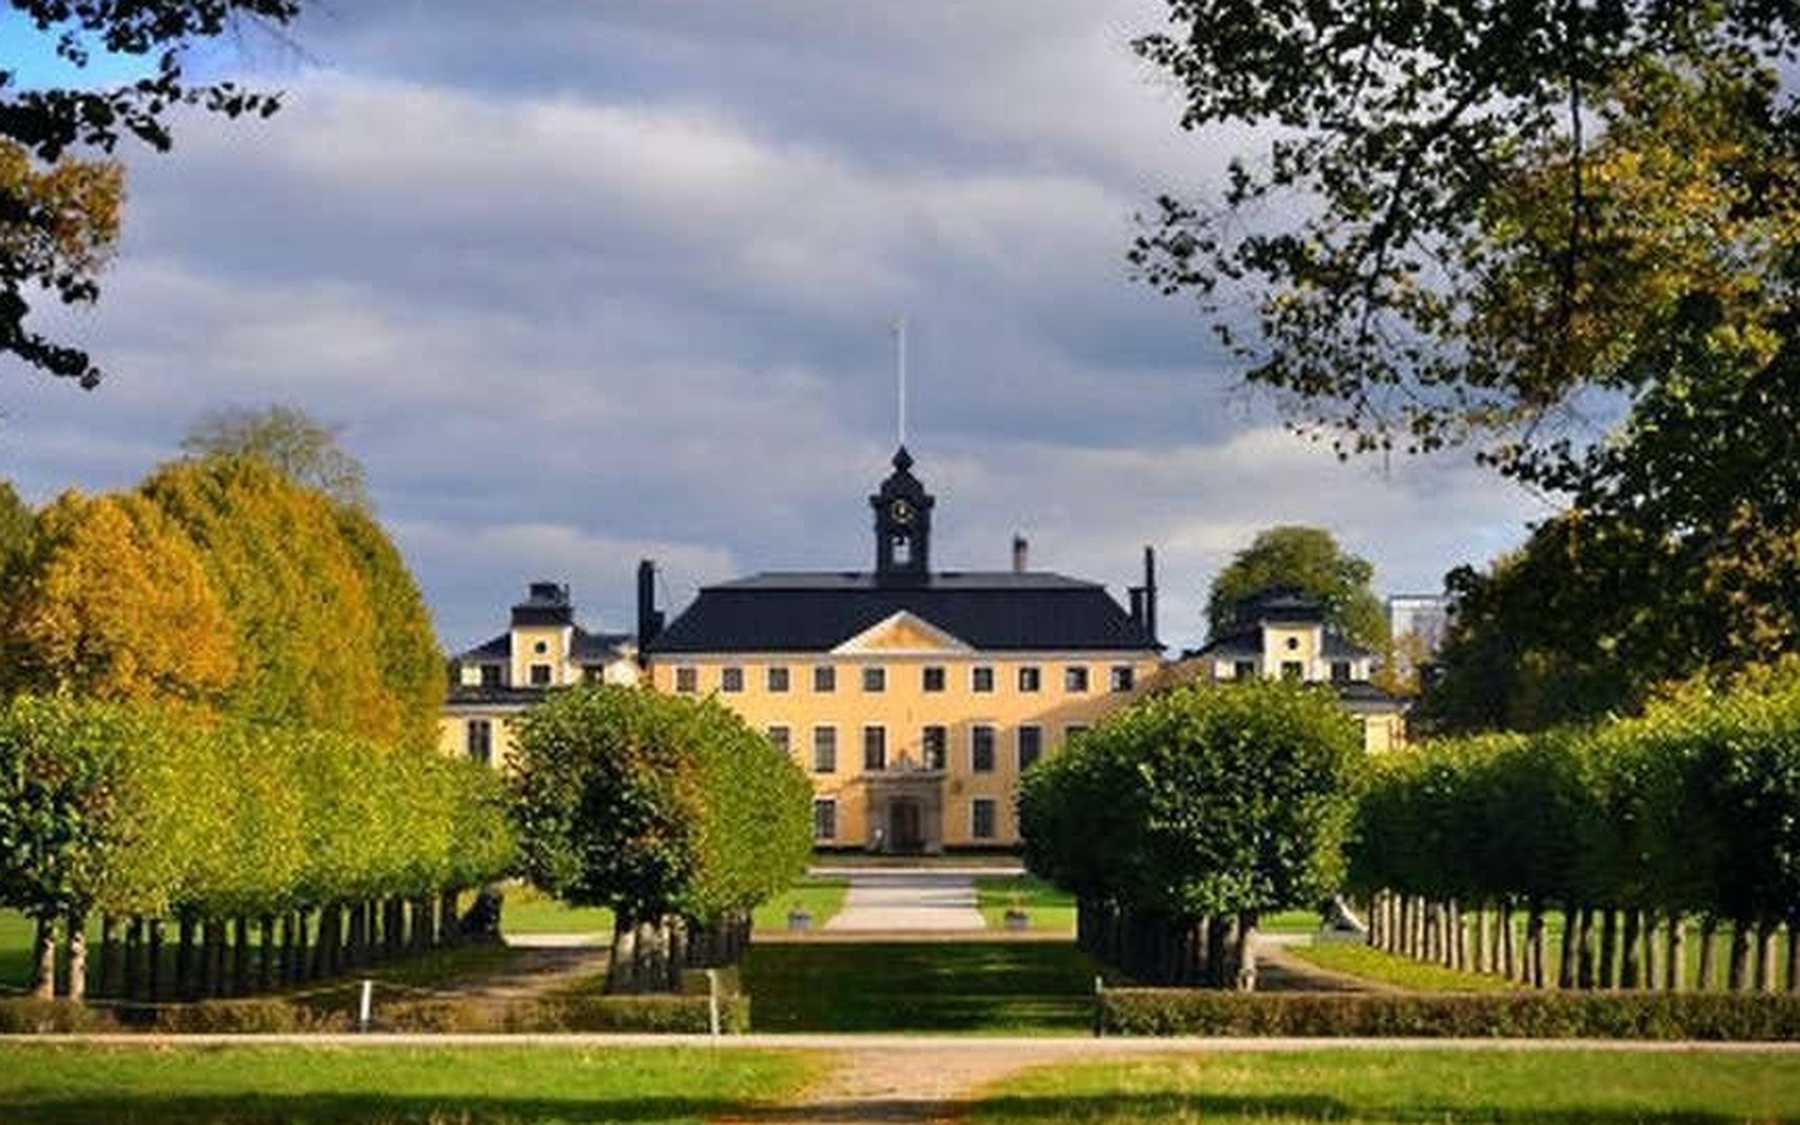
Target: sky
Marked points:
584	283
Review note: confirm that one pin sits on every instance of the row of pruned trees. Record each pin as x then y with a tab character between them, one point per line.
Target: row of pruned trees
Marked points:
1637	836
670	811
1180	820
255	855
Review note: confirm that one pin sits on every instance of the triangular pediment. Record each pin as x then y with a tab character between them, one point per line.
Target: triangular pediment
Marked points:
903	632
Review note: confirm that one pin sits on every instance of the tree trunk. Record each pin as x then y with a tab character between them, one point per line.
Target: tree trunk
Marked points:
109	956
1709	953
1534	929
1482	962
1653	974
134	956
77	955
1739	971
184	959
1218	944
1675	965
1766	932
447	930
1629	947
1793	956
1509	950
265	964
1566	969
1246	951
212	957
240	956
1609	937
1584	952
156	959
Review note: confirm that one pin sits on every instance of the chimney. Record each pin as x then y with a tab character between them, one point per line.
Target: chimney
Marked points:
1021	554
1150	591
1137	603
649	621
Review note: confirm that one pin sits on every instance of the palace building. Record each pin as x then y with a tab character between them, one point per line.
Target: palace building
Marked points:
914	697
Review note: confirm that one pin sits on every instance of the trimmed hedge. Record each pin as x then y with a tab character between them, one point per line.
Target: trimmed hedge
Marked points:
1624	1015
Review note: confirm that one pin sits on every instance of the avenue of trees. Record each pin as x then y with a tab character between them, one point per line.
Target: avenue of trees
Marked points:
259	856
668	810
1640	835
1180	820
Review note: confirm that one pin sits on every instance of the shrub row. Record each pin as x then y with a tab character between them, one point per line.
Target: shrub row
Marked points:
1522	1015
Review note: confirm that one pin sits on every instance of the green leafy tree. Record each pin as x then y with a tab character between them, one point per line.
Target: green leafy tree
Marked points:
59	215
304	448
16	520
1308	558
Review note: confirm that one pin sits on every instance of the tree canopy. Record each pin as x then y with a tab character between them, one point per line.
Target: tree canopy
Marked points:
60	206
288	439
1310	559
16	520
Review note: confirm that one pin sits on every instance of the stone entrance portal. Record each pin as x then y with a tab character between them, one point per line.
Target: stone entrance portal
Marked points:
906	812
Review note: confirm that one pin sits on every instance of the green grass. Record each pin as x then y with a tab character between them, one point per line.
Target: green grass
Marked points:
995	988
1289	922
527	910
16	933
1369	1087
1374	965
821	895
42	1084
997	859
1049	907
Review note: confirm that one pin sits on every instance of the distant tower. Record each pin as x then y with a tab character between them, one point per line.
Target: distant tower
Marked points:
902	526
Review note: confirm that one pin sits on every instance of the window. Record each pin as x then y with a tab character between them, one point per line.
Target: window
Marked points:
731	679
1031	746
1292	670
1031	678
1121	678
490	675
687	680
1244	669
824	749
778	679
981	679
934	679
874	679
540	675
1340	671
981	749
541	647
1293	643
874	749
934	743
825	819
981	818
1075	679
481	740
780	738
594	674
824	678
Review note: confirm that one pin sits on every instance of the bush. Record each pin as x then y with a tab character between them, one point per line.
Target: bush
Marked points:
25	1016
1621	1015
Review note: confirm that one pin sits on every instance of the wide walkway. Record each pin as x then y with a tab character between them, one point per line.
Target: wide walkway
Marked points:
908	900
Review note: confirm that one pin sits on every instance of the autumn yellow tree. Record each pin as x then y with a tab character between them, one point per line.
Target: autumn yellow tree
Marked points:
111	601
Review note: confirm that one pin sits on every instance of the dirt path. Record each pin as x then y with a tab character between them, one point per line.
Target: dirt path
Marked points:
926	1085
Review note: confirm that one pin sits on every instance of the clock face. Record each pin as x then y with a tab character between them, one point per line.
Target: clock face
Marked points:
901	511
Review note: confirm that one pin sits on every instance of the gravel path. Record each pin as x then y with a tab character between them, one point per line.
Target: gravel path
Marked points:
914	901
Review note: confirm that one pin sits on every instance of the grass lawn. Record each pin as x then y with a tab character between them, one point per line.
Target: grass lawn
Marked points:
324	1086
1373	964
1049	907
1559	1087
821	895
1024	988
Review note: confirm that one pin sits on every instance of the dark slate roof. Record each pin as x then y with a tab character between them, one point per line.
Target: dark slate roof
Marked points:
817	611
500	648
1246	644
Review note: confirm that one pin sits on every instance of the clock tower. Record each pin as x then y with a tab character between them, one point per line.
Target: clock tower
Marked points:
902	526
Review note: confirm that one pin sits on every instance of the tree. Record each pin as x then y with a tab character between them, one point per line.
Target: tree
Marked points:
111	602
59	216
16	521
288	439
1310	559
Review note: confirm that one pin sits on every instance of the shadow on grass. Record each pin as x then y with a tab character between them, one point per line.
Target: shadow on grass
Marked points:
1273	1108
142	1108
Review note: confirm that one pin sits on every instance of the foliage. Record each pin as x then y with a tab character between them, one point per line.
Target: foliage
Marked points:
1308	558
655	805
410	663
287	438
111	602
1206	800
59	216
16	520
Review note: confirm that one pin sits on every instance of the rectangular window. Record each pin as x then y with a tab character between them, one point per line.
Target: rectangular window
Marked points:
1244	669
1292	670
731	679
1340	671
540	675
594	674
1121	678
481	740
1031	678
778	678
981	679
779	738
1075	679
824	678
934	743
1031	746
825	819
874	679
934	679
981	749
490	675
687	680
874	749
981	817
824	749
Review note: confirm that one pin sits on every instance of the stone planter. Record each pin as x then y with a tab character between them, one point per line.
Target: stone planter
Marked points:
799	921
1017	920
